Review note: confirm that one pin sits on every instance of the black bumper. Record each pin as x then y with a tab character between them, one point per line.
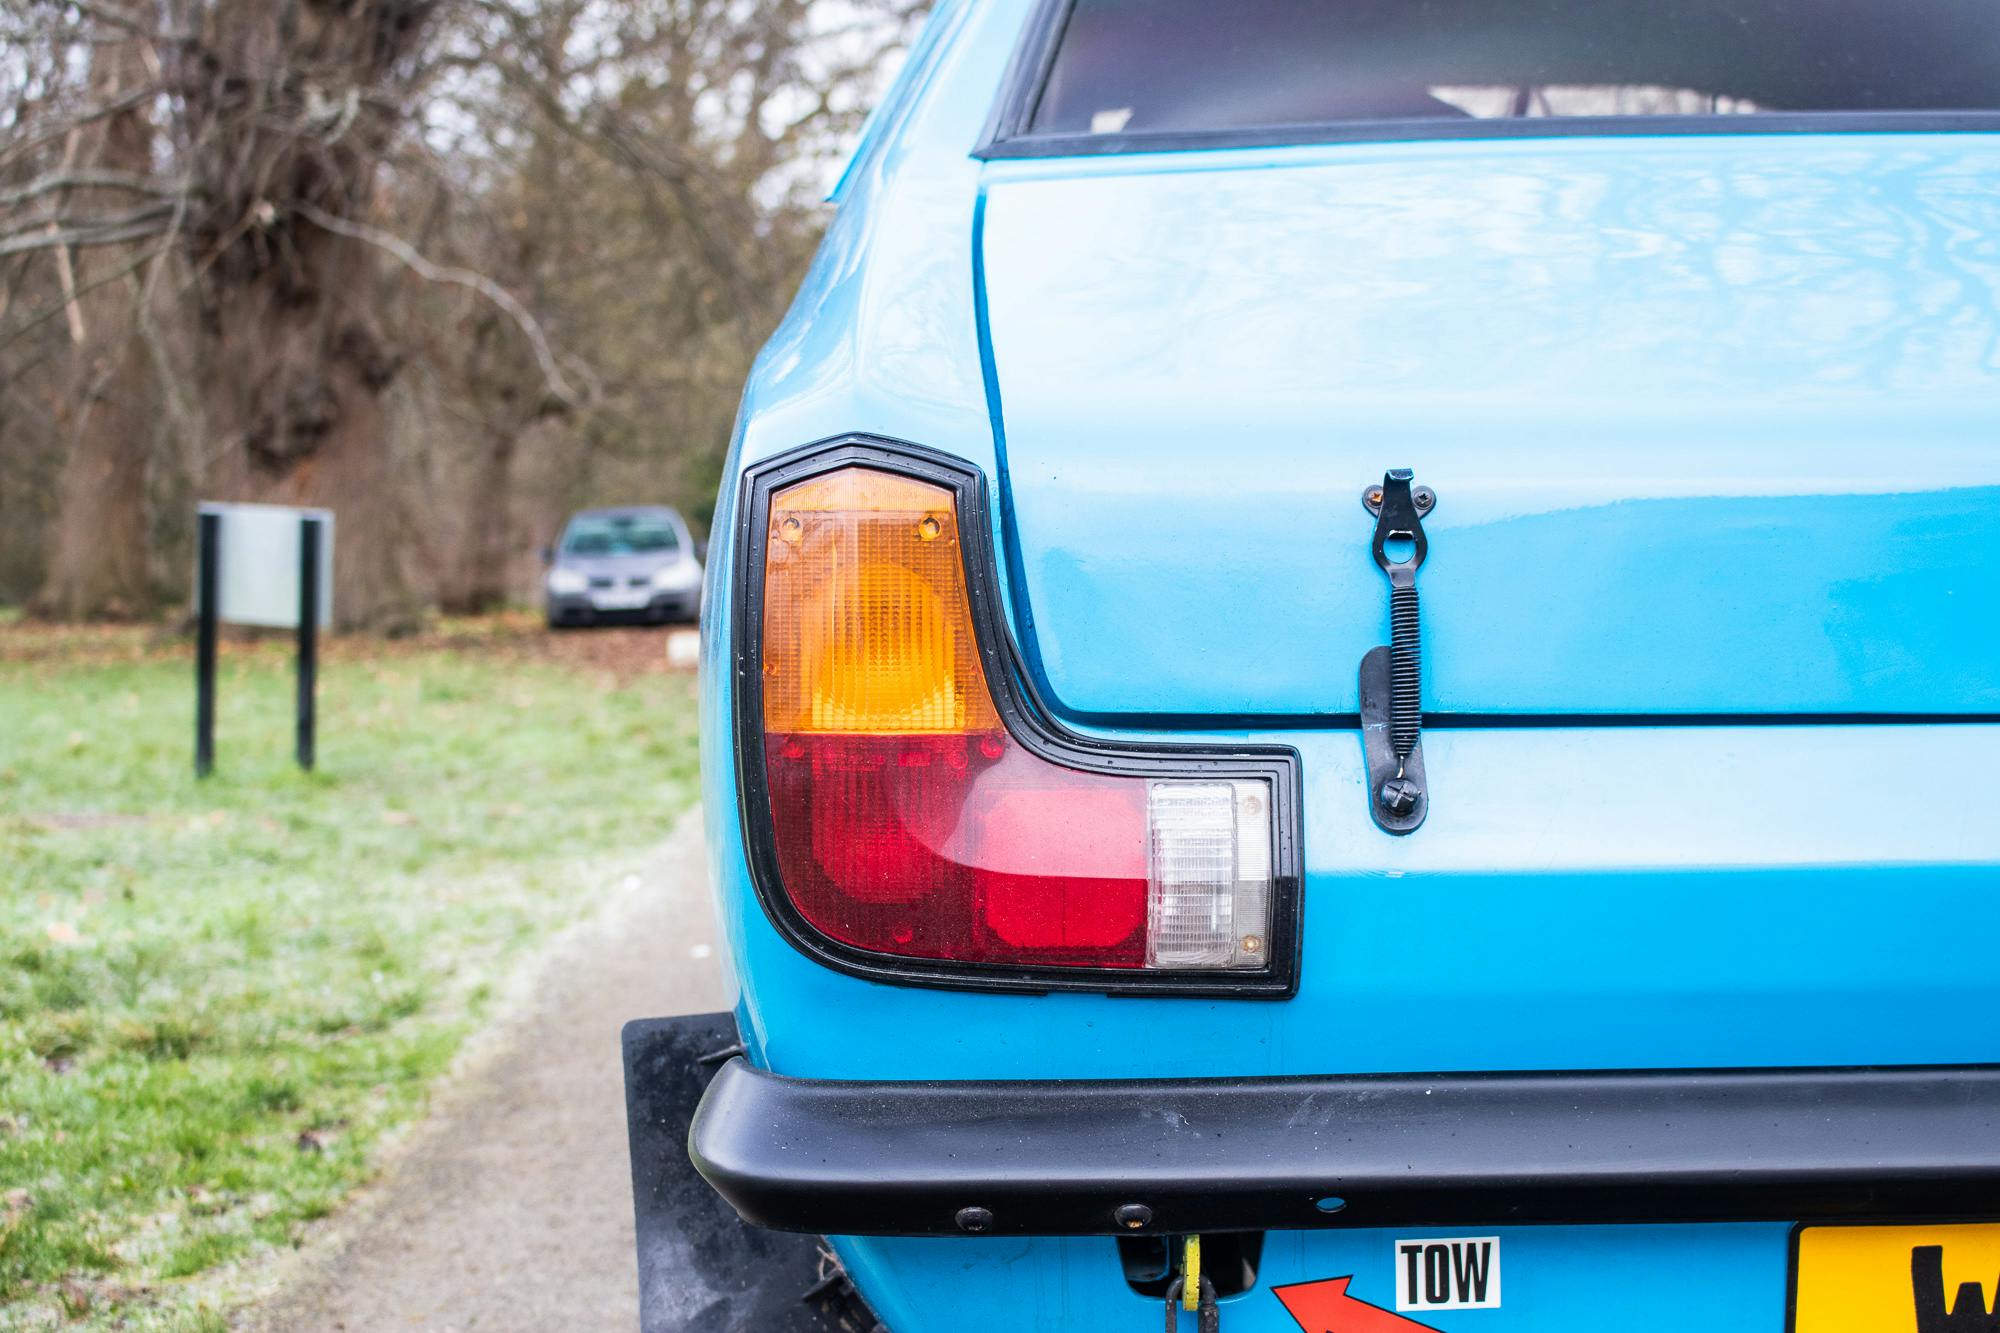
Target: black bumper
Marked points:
1062	1158
577	609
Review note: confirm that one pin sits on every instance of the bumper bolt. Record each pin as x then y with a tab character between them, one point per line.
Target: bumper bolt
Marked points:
1133	1216
1399	796
974	1219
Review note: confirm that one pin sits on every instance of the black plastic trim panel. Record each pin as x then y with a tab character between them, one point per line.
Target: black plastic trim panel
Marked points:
701	1268
1059	1157
1007	133
1026	721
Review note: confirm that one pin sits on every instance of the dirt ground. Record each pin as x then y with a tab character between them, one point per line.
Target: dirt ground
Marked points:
510	1209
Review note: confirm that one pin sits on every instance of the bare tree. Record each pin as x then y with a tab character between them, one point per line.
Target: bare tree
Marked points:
98	562
447	266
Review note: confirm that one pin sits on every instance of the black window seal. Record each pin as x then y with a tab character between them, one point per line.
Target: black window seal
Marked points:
1026	721
1027	73
1008	136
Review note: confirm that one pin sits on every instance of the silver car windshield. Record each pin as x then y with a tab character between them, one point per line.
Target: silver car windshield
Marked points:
621	534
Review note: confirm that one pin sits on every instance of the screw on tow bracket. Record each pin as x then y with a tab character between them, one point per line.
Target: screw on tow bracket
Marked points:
1391	699
1133	1216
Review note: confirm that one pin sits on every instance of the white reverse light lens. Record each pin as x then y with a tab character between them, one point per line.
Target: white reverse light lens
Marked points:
1209	880
567	580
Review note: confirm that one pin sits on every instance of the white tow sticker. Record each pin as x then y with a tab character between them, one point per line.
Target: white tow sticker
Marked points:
1448	1273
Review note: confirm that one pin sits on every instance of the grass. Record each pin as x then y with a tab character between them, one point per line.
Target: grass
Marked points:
217	997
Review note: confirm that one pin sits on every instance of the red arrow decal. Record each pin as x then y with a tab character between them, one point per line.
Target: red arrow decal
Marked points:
1325	1307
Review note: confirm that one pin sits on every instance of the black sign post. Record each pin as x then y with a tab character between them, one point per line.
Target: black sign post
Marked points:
243	576
308	635
207	568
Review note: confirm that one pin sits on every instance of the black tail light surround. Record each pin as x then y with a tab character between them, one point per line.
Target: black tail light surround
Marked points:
913	815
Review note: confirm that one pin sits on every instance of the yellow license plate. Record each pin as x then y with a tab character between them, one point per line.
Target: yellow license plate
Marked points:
1896	1279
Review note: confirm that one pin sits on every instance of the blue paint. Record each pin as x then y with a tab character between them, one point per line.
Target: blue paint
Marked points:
1756	381
1652	1279
942	21
1715	421
1655	918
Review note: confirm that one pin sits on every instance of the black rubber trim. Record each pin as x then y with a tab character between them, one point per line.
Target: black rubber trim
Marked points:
1026	721
1007	133
1519	721
1059	1157
1540	127
1027	73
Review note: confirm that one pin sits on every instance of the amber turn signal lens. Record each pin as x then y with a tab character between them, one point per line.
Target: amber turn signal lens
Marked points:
867	627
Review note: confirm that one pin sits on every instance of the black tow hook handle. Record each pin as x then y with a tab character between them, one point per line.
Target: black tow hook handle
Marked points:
1392	710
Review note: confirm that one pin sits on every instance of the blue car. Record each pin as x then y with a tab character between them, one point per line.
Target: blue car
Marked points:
1353	684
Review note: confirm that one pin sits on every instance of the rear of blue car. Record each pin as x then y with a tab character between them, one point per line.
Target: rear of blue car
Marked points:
1624	952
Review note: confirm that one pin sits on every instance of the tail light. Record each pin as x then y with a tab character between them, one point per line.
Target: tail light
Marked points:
912	817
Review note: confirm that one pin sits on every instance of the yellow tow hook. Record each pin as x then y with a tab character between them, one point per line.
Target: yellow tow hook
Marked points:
1191	1274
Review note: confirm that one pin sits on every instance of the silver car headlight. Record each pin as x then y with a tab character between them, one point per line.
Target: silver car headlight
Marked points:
677	577
567	581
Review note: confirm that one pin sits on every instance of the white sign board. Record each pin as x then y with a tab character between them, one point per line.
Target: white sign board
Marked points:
258	548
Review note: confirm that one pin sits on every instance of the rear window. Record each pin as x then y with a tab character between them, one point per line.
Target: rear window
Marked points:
1193	66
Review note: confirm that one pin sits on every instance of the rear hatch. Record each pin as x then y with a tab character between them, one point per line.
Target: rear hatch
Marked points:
1714	425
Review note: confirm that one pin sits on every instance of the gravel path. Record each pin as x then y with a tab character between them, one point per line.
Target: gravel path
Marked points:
511	1207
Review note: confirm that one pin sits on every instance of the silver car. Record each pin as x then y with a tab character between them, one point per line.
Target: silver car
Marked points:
637	564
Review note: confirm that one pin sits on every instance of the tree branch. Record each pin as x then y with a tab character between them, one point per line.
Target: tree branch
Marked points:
69	124
42	316
82	222
402	250
90	179
115	17
116	234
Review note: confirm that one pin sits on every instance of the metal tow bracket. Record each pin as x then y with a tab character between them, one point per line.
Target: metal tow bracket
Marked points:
1392	712
1208	1316
1192	1290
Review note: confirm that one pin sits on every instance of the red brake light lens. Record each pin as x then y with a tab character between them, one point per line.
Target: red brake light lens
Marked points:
907	821
959	847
